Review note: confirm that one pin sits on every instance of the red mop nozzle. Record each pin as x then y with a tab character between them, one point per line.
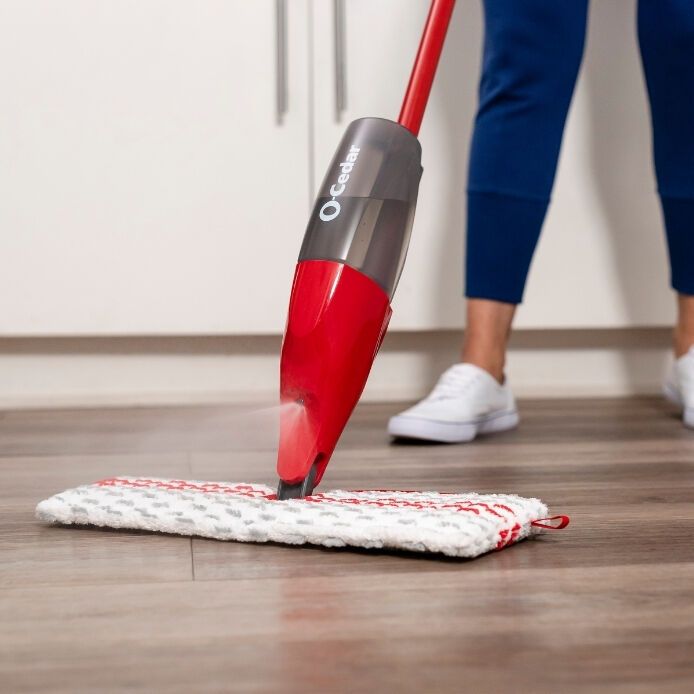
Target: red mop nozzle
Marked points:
337	318
349	266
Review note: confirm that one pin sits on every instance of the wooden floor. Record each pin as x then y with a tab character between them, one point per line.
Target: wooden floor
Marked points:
605	605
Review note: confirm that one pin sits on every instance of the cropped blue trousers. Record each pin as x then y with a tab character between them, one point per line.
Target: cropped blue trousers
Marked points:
532	54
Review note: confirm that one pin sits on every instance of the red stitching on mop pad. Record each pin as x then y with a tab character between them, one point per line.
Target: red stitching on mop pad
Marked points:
186	486
394	503
389	501
250	491
508	536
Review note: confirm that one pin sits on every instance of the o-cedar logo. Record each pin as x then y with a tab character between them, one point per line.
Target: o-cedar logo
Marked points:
331	208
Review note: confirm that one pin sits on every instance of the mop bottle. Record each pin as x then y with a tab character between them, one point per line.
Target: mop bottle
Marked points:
349	265
365	208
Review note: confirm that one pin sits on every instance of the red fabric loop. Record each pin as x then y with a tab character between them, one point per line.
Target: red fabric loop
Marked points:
547	522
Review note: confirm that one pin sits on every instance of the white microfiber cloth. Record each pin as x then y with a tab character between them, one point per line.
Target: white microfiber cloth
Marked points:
457	525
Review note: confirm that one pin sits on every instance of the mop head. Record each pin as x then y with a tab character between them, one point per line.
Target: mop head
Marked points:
457	525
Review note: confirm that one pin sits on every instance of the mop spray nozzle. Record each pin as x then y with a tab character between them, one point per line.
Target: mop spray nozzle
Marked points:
337	317
349	266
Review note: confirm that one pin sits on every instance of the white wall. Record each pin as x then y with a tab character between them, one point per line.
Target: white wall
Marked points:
602	252
601	262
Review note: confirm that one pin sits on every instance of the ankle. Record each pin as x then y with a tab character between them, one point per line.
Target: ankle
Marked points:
486	335
682	341
492	362
683	334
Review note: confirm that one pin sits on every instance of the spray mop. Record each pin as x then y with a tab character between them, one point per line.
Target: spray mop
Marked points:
349	265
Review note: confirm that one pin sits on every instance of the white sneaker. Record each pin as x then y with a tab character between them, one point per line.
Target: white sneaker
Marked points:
465	402
679	386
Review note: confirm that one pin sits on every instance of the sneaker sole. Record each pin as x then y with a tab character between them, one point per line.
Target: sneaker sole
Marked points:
672	394
452	432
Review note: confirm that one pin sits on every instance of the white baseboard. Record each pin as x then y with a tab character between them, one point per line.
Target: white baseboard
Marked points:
84	372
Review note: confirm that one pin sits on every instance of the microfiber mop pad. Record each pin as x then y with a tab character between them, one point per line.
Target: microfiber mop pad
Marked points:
456	525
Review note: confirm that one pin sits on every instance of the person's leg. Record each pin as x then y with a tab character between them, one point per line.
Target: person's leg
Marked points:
532	54
683	338
666	37
679	384
486	335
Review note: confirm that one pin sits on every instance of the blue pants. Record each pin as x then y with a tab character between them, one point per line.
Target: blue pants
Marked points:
532	53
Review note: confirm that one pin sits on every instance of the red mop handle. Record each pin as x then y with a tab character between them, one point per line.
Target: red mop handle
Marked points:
425	63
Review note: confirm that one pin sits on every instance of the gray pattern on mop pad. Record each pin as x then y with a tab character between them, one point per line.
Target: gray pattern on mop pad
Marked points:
456	525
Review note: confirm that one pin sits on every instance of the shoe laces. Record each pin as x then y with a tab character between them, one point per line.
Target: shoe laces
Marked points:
453	383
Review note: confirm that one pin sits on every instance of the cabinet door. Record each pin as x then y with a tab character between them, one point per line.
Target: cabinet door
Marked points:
147	185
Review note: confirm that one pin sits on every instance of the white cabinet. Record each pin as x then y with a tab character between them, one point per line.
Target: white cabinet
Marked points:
146	186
